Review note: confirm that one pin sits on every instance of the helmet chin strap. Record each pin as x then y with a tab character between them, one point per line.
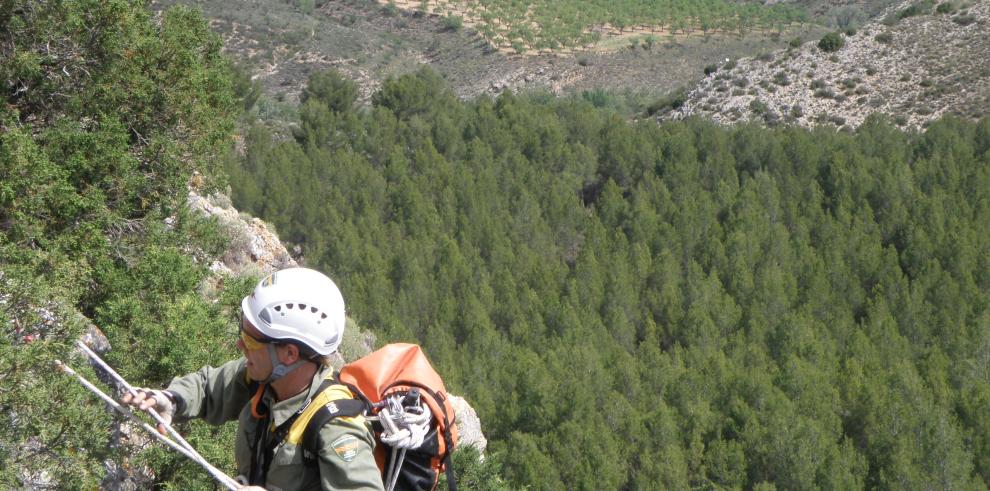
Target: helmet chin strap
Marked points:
279	369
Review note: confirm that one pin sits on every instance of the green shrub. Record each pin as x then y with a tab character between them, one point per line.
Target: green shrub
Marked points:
945	8
921	8
884	38
837	120
710	69
672	100
831	42
453	22
796	42
758	107
964	20
825	94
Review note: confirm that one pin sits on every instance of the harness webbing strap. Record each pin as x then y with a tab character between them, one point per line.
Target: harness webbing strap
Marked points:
340	408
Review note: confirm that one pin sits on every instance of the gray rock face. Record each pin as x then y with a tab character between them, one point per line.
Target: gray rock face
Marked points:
255	249
468	425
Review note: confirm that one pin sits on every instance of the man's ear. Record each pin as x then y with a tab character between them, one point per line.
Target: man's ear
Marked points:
291	353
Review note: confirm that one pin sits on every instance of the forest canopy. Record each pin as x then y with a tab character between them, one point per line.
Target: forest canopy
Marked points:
632	305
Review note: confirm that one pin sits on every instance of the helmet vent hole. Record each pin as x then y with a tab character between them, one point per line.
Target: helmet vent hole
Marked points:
288	306
278	308
323	316
313	309
302	306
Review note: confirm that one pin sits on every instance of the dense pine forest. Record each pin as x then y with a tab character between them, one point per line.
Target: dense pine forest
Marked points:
627	305
634	306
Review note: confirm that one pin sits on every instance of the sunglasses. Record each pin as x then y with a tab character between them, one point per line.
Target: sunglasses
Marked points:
252	343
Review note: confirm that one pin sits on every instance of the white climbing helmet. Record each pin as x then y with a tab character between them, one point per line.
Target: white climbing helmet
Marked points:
298	304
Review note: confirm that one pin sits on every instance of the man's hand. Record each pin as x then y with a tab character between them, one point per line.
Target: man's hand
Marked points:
152	399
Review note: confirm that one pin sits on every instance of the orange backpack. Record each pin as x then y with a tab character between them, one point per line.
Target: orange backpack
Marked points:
396	370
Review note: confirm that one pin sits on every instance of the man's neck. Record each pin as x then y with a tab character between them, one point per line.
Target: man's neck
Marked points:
295	382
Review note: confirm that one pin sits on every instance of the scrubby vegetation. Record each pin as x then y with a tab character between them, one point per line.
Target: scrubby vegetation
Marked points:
106	114
831	42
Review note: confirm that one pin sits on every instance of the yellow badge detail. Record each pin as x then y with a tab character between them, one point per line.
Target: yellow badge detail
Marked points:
269	281
346	447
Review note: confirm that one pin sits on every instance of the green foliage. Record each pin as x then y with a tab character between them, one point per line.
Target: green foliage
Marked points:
920	8
331	90
630	305
107	114
673	100
453	22
474	473
964	19
831	42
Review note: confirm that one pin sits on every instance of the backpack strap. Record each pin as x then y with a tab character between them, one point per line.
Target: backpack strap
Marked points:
448	462
333	409
332	400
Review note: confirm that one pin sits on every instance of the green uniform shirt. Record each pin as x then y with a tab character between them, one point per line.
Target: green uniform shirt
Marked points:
221	394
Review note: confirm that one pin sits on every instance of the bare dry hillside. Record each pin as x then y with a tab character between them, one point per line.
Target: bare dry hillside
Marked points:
914	62
282	44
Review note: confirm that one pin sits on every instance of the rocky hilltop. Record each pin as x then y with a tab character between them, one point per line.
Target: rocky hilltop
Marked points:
914	62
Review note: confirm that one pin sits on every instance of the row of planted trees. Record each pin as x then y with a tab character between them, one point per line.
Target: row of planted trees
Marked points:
557	24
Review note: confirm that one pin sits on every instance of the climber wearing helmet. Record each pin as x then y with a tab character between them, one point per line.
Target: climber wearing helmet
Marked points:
290	325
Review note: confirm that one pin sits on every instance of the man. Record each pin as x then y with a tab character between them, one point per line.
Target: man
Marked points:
290	324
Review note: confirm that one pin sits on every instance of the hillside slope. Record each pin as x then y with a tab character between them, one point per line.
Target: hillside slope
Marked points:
282	44
913	67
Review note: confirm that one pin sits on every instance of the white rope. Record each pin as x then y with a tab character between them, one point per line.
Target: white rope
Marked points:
403	428
195	457
406	427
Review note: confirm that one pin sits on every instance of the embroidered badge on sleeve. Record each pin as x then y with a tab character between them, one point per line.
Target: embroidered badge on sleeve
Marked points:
346	447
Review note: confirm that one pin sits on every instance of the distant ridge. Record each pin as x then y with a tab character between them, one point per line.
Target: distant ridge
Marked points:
912	63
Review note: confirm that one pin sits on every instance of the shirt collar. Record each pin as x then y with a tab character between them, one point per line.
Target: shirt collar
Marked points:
283	410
